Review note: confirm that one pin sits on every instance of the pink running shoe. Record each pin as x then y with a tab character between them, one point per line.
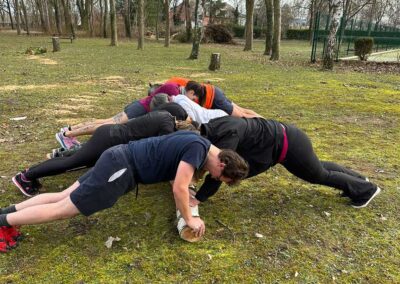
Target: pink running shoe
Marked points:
66	142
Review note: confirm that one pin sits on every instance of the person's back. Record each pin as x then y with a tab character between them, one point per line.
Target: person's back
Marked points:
197	112
156	159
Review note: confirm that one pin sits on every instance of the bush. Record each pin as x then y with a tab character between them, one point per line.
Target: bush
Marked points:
36	50
181	37
217	34
298	34
363	47
239	31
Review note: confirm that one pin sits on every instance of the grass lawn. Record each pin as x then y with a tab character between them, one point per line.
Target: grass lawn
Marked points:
311	234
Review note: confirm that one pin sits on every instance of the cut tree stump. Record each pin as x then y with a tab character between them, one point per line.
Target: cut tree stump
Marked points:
215	62
56	44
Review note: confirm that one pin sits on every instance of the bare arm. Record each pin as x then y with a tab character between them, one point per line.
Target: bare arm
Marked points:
243	112
182	180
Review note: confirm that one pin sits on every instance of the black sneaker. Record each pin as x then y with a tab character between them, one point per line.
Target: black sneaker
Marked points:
26	187
360	203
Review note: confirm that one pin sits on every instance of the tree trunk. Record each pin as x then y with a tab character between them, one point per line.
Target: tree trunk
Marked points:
141	24
188	20
127	18
105	18
167	23
158	18
57	15
43	21
10	14
47	15
269	27
312	19
215	62
56	44
17	16
113	20
69	25
333	27
25	17
249	25
198	29
276	42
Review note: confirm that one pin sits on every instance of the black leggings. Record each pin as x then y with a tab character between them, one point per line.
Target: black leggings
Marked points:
304	163
84	157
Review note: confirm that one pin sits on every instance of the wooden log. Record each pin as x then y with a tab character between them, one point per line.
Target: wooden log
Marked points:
56	44
215	62
185	232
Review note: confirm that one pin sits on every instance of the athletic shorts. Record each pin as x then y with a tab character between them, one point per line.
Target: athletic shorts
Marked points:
222	102
134	110
108	180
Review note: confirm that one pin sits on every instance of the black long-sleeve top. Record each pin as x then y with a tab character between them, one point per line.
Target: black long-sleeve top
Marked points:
257	140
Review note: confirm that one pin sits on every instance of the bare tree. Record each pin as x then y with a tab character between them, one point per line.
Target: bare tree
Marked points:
69	25
188	20
269	27
57	15
25	17
127	18
249	25
335	14
105	20
113	20
42	14
167	22
17	16
141	24
198	29
276	41
10	14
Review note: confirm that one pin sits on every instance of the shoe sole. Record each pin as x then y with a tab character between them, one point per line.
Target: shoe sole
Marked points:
378	190
20	188
61	142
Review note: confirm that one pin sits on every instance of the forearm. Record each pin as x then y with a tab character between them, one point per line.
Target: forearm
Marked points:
208	188
181	195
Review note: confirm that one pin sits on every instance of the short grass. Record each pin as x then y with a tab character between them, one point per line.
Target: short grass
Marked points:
311	234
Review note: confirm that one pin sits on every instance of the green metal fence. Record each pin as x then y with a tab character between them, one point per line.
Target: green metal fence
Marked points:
385	37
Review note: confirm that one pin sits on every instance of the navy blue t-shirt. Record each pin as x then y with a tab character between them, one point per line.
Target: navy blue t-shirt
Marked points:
221	101
156	159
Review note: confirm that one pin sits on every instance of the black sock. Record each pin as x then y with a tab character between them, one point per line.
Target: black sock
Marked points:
3	220
9	209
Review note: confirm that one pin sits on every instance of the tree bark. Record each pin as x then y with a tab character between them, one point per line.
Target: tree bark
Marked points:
17	16
43	21
10	14
25	17
113	20
57	15
334	7
56	44
188	20
167	23
141	24
69	25
105	18
198	29
249	25
127	18
269	27
276	42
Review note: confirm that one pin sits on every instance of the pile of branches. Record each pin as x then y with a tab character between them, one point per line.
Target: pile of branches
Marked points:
218	34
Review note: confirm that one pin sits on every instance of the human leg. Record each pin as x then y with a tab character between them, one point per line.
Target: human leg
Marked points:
87	156
302	161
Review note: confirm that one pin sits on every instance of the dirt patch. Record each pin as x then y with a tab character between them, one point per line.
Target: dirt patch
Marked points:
41	60
364	121
113	78
29	87
197	75
214	80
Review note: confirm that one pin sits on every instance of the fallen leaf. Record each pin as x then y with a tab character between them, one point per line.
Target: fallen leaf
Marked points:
327	214
110	241
296	274
258	235
18	118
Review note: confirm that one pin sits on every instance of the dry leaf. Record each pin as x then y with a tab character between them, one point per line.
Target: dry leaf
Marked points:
110	241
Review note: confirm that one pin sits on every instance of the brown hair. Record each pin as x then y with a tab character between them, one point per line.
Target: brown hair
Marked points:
198	89
185	125
236	168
